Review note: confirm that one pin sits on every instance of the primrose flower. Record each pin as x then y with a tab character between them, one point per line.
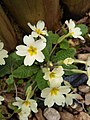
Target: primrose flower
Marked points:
69	98
1	99
3	54
26	106
68	61
55	95
54	76
74	31
38	30
32	50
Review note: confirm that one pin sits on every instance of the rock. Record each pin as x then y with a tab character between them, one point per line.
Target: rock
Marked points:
66	115
83	56
39	115
87	99
84	88
82	116
51	114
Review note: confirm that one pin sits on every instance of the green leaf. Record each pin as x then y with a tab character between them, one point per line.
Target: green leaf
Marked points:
52	37
25	71
46	54
63	54
10	80
64	44
41	83
83	28
12	62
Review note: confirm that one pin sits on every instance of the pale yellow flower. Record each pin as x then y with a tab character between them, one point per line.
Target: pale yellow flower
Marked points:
38	30
55	95
88	69
32	50
3	54
54	76
73	30
26	107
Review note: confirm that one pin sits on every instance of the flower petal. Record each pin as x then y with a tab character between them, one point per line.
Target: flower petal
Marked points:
1	98
49	101
43	38
21	50
70	24
34	34
33	105
3	54
40	44
40	25
59	99
2	61
64	89
45	92
31	26
29	60
28	40
40	56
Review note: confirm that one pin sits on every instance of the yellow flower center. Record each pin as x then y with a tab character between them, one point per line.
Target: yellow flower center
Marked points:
54	91
32	50
38	31
26	103
52	75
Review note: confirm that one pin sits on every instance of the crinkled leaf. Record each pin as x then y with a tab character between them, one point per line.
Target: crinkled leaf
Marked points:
12	62
83	28
63	54
64	44
53	37
41	83
25	71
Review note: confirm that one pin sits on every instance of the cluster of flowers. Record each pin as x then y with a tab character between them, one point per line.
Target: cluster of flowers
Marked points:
32	50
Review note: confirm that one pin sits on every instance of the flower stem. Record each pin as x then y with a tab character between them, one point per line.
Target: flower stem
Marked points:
76	71
59	41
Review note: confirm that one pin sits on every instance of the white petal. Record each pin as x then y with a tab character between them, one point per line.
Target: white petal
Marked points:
31	26
28	40
1	45
56	82
59	99
34	34
64	89
49	101
70	24
40	44
29	60
2	61
69	100
46	76
3	53
21	50
82	38
33	105
45	92
40	56
44	32
43	38
40	25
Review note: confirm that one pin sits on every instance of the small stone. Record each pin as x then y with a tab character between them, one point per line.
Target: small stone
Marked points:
83	56
51	114
66	115
87	99
84	88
